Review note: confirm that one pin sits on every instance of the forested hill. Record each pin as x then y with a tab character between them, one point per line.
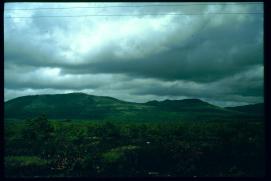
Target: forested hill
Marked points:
84	106
257	109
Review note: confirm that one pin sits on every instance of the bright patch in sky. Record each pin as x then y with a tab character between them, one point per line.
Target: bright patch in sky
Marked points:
141	52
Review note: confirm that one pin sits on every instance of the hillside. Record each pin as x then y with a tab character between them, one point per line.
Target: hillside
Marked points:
252	109
89	107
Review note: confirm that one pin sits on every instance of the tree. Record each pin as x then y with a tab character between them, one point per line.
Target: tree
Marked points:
37	134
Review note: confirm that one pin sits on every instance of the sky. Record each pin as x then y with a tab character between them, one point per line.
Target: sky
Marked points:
136	51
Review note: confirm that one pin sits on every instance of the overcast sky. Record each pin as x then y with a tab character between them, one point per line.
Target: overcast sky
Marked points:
210	51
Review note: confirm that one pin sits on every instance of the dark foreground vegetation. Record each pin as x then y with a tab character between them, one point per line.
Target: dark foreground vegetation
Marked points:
39	147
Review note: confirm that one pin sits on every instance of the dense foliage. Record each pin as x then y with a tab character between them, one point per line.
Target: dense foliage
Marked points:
39	147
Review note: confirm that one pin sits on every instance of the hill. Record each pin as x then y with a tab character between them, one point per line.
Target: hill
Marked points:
89	107
252	109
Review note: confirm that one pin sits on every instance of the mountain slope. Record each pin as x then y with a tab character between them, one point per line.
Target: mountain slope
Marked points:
73	105
89	107
252	109
185	105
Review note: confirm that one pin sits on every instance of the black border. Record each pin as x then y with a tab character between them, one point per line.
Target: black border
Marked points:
267	96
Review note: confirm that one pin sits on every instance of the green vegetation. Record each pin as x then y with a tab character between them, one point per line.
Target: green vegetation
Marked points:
83	106
39	147
102	136
253	109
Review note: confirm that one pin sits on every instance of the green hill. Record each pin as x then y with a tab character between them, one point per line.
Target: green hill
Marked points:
88	107
252	109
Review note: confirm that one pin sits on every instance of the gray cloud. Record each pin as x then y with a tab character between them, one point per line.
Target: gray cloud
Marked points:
246	84
221	52
218	58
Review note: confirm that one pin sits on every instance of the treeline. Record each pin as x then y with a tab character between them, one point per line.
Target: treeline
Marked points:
39	147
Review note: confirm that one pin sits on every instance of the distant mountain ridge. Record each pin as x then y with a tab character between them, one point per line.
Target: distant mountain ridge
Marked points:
90	107
249	109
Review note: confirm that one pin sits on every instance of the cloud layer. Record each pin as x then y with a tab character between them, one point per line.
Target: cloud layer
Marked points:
216	57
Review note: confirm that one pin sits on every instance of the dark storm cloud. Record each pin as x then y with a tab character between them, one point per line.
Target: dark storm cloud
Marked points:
249	83
17	54
206	56
214	57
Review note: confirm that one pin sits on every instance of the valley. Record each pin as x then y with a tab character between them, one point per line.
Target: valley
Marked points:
80	135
